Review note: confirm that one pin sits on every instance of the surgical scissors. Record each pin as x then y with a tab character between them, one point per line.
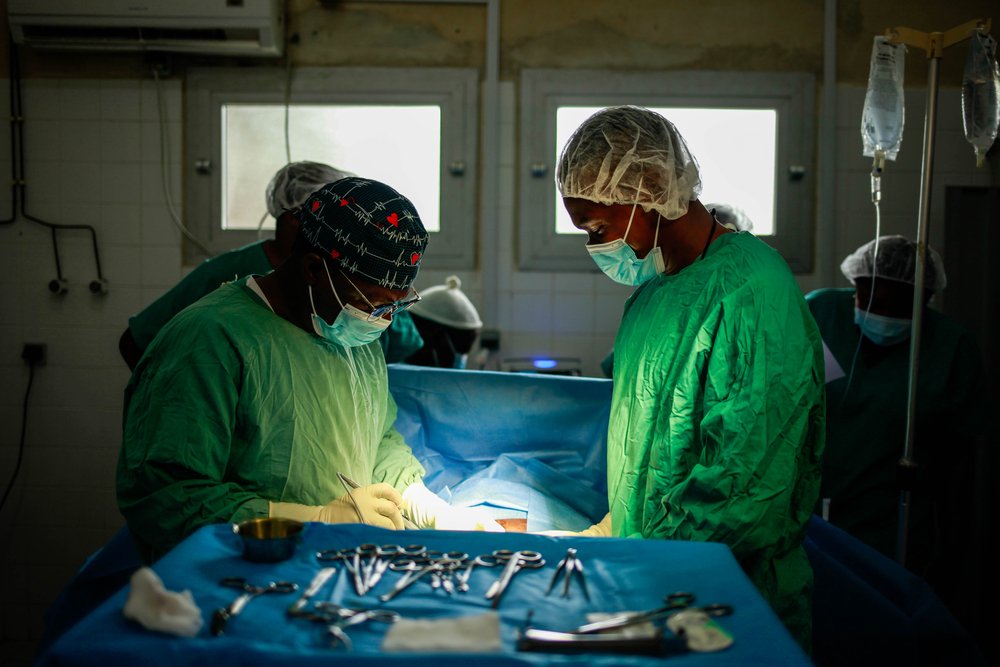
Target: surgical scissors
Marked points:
222	615
514	561
483	560
570	565
432	562
674	602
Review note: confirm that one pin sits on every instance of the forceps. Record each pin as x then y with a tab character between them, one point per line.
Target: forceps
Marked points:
515	562
674	602
338	618
570	565
221	616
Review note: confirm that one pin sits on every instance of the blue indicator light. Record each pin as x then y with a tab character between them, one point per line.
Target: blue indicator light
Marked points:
544	363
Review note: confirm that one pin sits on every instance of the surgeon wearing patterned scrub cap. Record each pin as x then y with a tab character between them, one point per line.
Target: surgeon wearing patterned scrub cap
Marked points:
716	425
251	401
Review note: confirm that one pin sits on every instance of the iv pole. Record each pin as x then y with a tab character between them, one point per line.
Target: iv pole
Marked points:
934	44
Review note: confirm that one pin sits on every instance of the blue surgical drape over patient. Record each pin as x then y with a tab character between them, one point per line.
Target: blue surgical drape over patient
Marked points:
717	419
233	406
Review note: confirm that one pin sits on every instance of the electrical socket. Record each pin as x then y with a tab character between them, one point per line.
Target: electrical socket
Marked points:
34	354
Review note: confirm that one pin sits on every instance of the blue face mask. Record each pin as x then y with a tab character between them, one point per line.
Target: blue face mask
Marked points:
618	261
880	329
351	328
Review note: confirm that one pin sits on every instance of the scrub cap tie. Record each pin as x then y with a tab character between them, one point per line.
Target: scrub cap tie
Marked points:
369	229
630	155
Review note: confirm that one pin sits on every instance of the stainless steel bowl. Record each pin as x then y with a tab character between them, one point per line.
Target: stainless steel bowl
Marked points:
269	540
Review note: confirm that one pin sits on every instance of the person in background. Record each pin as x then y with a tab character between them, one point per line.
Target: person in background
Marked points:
249	402
729	216
287	189
448	324
716	426
867	332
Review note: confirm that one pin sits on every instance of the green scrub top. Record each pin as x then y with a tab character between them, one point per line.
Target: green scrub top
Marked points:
716	428
866	425
233	406
207	276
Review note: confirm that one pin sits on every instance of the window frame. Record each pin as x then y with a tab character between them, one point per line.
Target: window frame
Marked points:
455	90
543	91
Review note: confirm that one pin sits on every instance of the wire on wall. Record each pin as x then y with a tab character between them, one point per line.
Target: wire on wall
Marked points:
19	186
24	426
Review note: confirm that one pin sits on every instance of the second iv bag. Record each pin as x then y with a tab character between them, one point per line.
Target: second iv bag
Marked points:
980	93
882	117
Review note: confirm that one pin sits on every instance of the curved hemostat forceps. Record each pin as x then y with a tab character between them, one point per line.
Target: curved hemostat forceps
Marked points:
222	616
514	562
674	602
569	566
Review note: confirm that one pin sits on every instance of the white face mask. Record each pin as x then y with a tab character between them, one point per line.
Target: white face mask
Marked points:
618	261
351	328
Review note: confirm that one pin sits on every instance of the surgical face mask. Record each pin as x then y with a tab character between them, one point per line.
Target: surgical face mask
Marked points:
351	328
880	329
618	261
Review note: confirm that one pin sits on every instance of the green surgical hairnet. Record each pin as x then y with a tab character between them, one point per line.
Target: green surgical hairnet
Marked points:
630	155
294	182
731	216
897	259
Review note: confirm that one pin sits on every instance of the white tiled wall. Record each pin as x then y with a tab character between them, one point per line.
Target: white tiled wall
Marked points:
93	157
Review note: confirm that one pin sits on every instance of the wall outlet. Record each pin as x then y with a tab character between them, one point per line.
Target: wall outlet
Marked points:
34	354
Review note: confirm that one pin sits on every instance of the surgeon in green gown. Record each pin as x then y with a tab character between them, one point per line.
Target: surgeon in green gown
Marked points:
717	417
251	401
289	186
867	330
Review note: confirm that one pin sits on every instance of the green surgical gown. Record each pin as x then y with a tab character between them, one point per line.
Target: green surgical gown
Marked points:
866	429
233	406
207	276
716	428
398	342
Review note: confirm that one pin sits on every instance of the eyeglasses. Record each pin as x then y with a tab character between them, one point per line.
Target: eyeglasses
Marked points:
390	309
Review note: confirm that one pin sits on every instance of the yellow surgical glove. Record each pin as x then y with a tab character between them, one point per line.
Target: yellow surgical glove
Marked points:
379	504
427	510
602	529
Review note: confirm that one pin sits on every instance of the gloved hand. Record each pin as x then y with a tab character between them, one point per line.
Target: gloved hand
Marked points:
602	529
379	504
427	510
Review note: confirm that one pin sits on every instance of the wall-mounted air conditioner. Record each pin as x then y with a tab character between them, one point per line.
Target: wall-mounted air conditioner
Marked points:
222	27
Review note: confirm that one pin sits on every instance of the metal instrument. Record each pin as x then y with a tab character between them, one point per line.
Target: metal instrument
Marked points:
368	562
435	563
315	585
674	603
222	616
337	618
569	566
514	562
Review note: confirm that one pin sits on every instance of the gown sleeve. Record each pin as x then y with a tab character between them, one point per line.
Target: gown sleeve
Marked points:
180	416
395	463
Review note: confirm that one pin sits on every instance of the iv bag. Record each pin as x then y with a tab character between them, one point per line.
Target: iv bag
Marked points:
980	93
882	117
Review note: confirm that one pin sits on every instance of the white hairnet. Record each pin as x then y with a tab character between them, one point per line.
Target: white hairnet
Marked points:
294	182
630	155
447	304
731	216
897	260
